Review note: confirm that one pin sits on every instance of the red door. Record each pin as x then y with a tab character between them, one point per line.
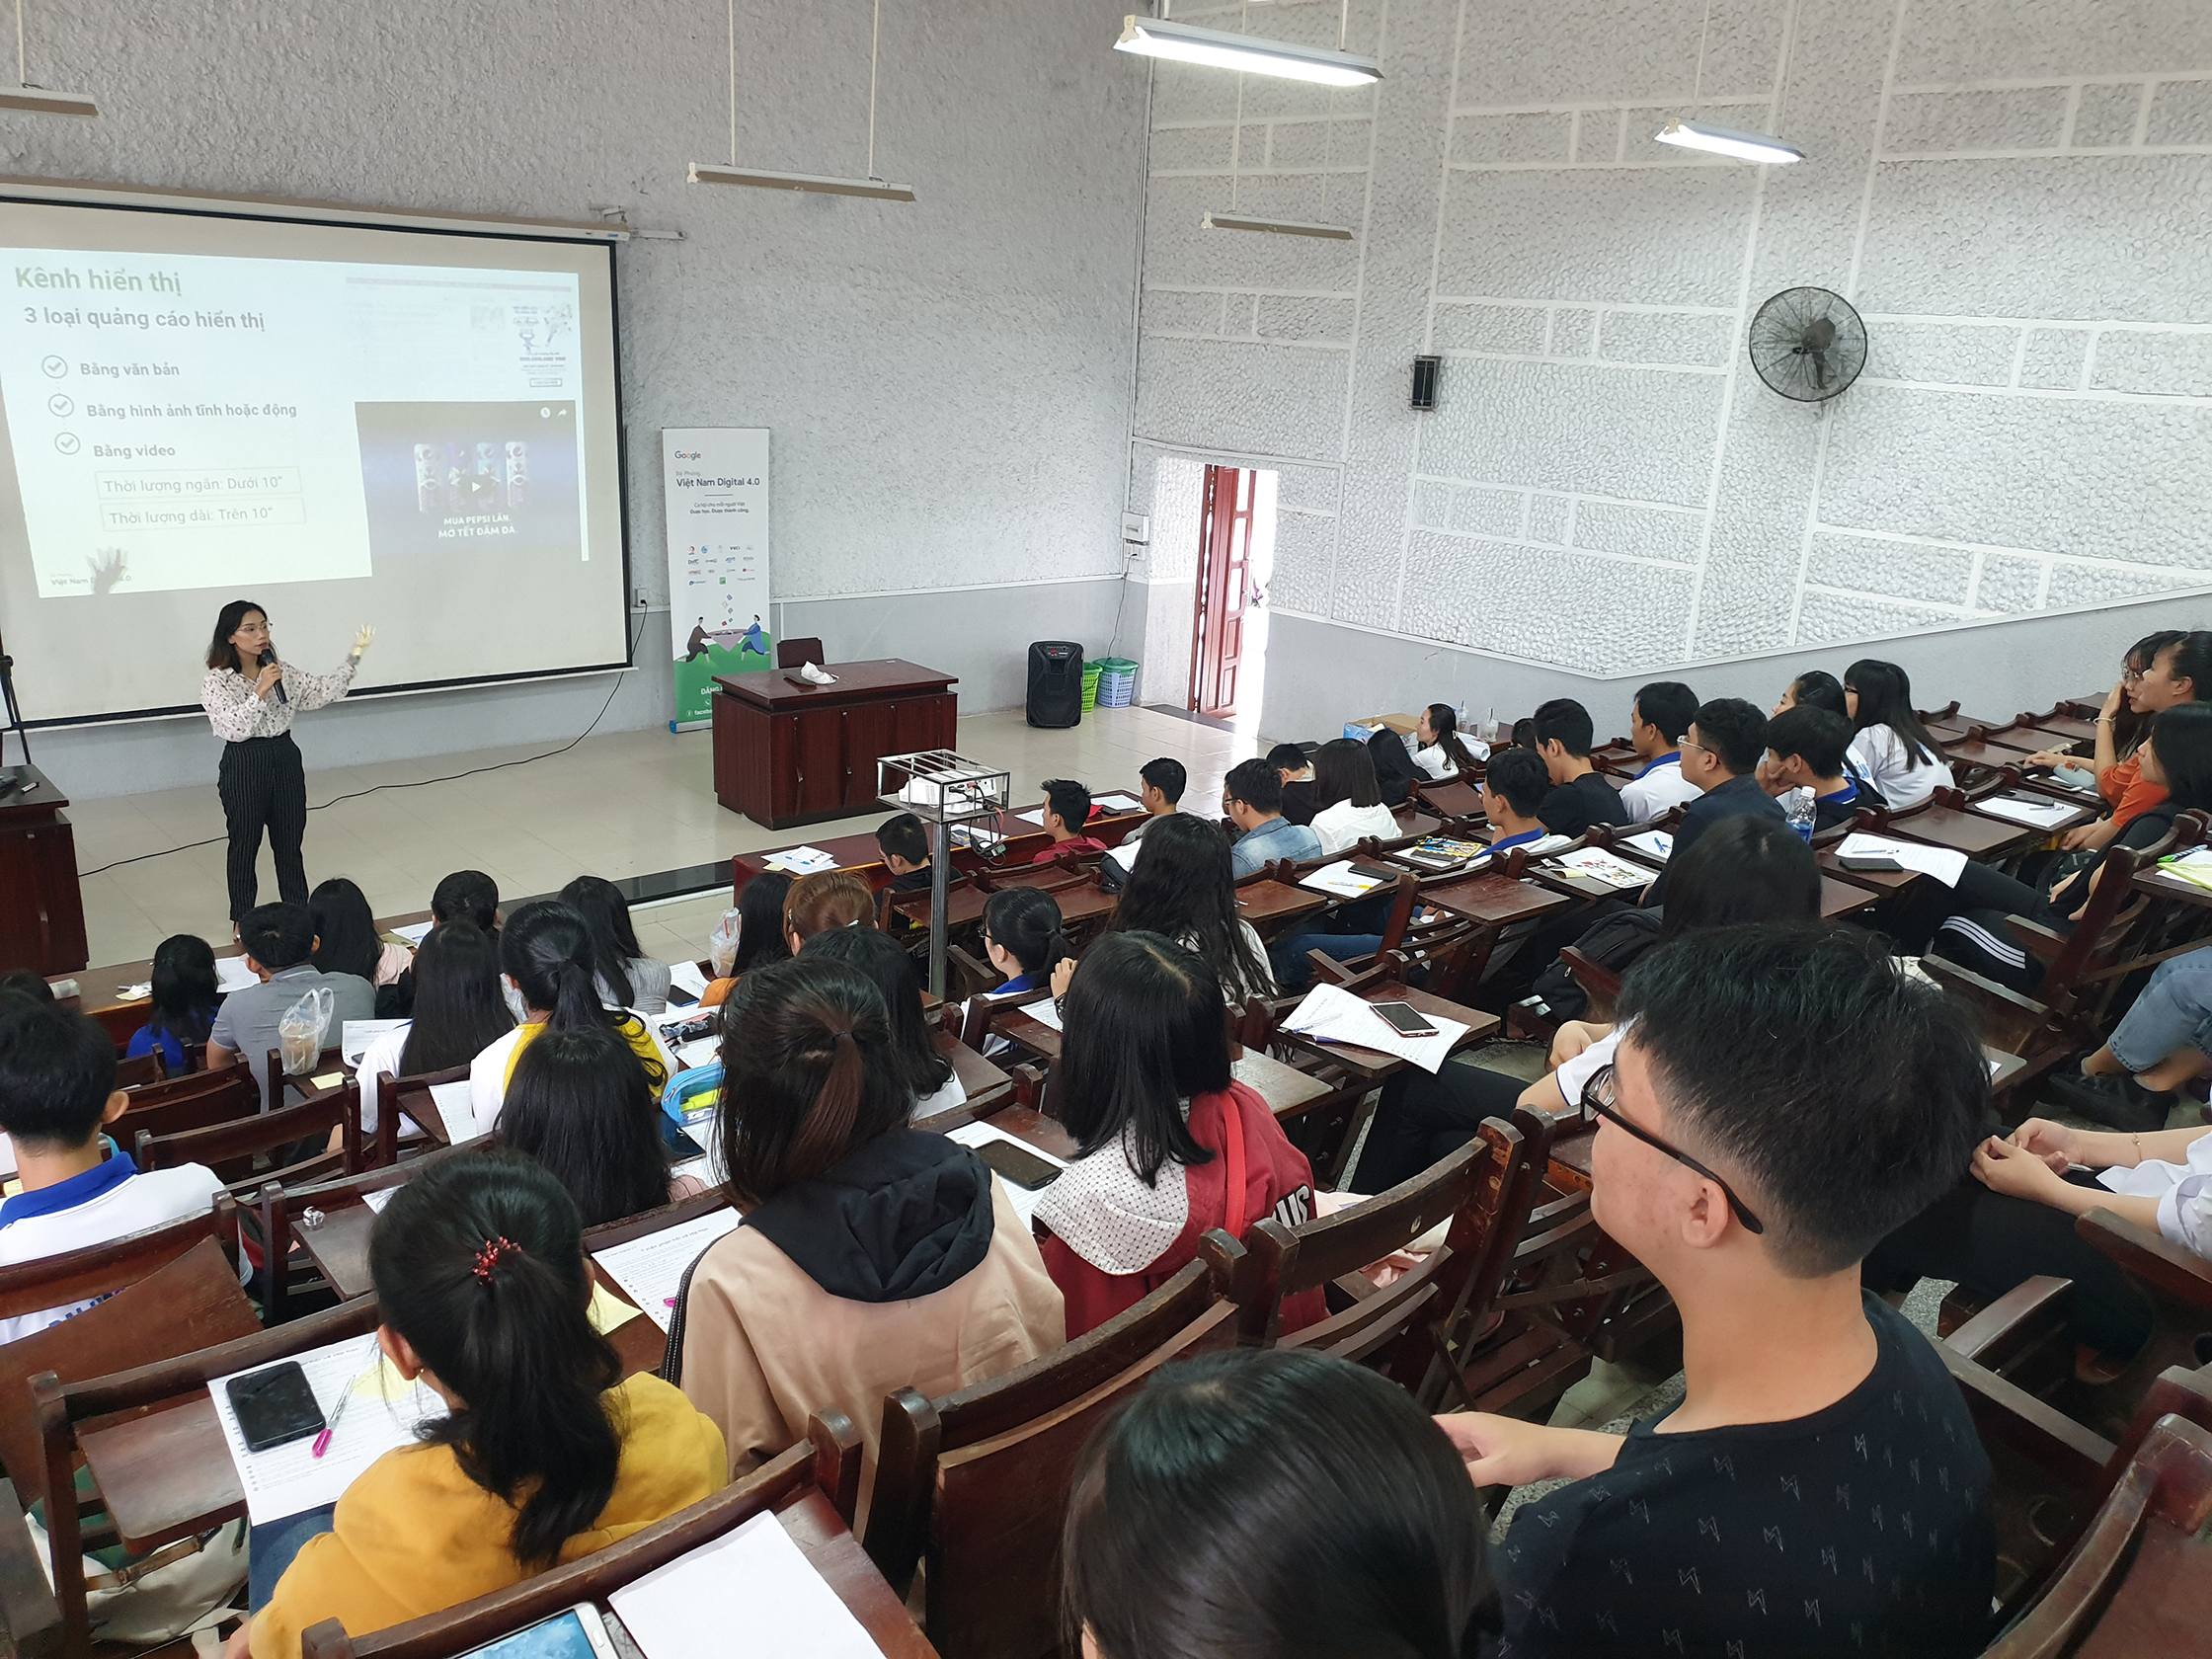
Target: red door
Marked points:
1224	552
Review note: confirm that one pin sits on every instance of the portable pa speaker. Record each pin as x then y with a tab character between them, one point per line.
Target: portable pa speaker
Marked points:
1056	683
1425	372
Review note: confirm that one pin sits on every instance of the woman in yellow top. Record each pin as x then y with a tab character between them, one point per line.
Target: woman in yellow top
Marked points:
545	954
548	1455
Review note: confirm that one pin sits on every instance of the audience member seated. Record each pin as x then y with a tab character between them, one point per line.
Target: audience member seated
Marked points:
57	1090
2163	1040
1276	1503
1720	755
1814	689
1293	765
1438	748
1894	755
1748	869
2161	671
760	935
1348	801
184	997
1022	938
825	899
461	1010
626	977
345	937
1394	772
465	896
545	950
1579	796
578	1103
1066	813
1515	788
1658	720
1252	800
1966	922
549	1453
1781	1098
1159	785
1806	748
905	845
22	981
1182	888
279	944
931	1084
1161	1127
873	1255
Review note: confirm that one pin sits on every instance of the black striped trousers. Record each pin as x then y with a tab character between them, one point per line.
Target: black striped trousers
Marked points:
262	787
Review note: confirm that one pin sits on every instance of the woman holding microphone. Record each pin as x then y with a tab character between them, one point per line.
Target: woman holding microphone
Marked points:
251	699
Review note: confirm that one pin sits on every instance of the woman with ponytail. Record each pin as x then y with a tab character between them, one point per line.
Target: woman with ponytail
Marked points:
547	955
547	1453
872	1255
1438	748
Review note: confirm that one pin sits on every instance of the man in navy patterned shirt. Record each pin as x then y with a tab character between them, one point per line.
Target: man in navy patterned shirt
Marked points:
1781	1098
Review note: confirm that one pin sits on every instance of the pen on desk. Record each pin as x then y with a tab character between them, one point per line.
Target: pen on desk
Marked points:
322	1441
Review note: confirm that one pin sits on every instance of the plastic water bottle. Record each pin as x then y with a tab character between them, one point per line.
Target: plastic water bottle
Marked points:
1797	807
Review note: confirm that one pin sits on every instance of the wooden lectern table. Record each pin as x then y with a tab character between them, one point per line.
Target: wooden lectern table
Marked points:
786	752
41	910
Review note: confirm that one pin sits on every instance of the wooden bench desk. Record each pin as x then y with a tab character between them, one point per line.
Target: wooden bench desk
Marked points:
1496	899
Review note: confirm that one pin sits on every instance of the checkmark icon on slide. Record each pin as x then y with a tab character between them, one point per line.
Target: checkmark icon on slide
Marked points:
60	406
56	367
67	442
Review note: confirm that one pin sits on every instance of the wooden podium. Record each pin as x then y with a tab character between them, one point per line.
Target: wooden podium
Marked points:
41	910
787	752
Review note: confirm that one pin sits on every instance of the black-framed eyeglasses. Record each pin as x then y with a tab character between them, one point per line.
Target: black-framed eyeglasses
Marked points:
1598	1101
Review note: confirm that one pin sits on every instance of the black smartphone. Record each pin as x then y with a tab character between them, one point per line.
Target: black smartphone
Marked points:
679	997
1404	1018
1019	1164
1375	872
1870	861
691	1030
274	1407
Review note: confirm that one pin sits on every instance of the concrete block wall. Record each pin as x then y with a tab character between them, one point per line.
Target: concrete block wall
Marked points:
2014	192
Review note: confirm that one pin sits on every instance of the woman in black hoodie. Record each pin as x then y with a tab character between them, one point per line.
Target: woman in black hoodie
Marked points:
872	1255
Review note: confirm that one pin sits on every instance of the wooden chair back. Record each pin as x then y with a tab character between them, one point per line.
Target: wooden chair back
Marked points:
137	1071
331	1063
977	1482
190	1302
194	1101
797	652
1600	984
279	1206
410	1097
235	1151
101	1270
1401	1328
827	1461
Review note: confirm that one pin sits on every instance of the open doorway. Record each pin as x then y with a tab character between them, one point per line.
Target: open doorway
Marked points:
1228	600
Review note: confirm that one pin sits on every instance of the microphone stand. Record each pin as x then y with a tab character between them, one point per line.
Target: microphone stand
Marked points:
11	778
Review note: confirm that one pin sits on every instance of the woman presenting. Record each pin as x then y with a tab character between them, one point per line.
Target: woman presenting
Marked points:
251	699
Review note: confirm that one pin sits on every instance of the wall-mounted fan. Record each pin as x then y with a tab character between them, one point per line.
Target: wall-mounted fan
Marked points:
1808	344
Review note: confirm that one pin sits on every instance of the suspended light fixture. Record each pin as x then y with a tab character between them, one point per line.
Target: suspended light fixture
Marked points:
1234	221
40	100
818	183
1218	48
1729	142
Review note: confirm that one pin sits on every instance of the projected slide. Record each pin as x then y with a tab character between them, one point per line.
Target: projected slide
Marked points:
285	422
346	423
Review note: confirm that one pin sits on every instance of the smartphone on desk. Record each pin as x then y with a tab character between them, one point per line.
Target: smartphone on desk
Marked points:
579	1633
1405	1019
273	1406
1871	861
1019	1164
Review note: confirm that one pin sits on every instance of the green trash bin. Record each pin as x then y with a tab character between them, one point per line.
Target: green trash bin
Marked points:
1117	682
1090	687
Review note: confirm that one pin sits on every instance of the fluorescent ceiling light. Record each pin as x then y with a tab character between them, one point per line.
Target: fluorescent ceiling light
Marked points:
1278	227
714	173
1220	49
45	103
1727	141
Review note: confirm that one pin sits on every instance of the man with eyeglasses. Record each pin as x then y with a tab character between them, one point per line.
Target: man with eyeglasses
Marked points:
1779	1098
1720	755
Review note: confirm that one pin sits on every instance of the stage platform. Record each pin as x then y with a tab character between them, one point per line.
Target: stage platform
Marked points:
630	806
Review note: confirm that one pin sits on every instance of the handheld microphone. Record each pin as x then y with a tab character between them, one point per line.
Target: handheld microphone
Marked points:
267	656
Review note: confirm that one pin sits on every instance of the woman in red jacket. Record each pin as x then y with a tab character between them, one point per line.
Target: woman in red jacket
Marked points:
1169	1144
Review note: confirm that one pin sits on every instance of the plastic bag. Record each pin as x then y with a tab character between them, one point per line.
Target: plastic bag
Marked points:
722	943
302	1030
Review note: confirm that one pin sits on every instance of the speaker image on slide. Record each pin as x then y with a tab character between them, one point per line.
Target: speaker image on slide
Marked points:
1056	683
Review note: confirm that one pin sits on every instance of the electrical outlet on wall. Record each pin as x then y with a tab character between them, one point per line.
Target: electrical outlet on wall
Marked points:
1137	531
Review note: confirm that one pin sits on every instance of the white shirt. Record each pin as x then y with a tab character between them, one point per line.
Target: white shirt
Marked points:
1345	825
237	714
381	1055
942	1100
2183	1192
487	1072
132	1203
1573	1077
1658	788
1438	765
1879	755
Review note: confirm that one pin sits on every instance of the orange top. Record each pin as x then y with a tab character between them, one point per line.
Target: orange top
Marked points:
2123	786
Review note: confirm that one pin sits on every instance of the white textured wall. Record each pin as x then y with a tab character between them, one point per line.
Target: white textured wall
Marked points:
947	381
2014	193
